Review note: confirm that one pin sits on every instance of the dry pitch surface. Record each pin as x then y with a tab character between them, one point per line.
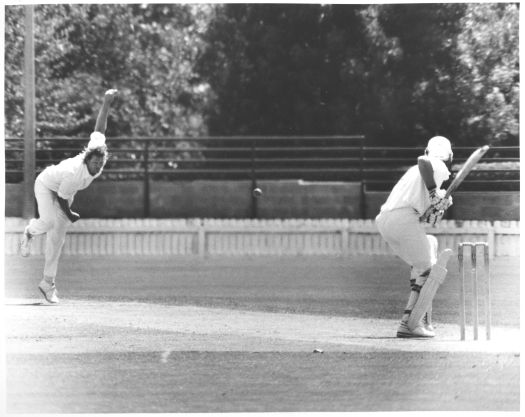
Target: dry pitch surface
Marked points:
158	334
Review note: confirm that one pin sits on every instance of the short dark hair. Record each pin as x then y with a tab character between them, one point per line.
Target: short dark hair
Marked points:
101	151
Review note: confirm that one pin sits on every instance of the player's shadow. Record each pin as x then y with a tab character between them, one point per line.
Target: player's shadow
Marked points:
378	337
26	304
394	337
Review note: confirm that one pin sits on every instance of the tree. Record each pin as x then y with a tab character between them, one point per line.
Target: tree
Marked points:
146	51
13	71
489	83
397	73
409	72
276	69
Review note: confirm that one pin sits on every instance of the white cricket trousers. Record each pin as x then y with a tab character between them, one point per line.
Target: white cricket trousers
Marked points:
52	221
407	238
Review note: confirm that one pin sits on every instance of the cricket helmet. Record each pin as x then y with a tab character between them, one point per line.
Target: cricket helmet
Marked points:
439	147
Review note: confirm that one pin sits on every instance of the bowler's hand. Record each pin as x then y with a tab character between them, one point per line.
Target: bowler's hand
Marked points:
110	95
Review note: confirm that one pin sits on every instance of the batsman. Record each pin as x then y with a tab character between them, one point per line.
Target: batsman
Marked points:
418	199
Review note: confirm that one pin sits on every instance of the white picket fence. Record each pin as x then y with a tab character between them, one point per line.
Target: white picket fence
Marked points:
254	237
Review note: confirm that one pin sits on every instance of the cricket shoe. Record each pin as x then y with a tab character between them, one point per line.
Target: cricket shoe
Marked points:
419	332
25	243
49	291
427	323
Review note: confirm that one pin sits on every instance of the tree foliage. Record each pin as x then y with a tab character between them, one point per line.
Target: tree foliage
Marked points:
410	62
399	73
146	51
279	69
489	78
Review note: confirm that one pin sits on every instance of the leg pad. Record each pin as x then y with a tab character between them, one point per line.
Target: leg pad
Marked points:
429	289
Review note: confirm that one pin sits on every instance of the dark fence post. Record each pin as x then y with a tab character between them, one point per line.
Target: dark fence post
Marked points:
146	179
362	177
28	208
254	182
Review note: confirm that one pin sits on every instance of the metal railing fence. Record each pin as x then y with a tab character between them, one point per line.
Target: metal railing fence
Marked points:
310	158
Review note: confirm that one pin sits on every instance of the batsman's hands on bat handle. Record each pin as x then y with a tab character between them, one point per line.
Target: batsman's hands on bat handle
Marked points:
438	204
434	217
73	217
435	212
436	194
438	200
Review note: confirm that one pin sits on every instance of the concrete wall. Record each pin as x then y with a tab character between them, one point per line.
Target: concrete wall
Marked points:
14	200
468	205
107	199
187	199
499	205
281	199
298	199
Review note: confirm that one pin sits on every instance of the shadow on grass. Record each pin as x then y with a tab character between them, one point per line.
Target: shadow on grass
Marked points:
27	304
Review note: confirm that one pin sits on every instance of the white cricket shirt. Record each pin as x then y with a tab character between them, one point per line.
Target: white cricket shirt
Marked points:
67	177
411	191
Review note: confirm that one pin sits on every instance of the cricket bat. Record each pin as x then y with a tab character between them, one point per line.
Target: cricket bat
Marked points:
462	173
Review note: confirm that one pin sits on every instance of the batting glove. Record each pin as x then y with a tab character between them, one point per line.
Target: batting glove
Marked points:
434	217
438	200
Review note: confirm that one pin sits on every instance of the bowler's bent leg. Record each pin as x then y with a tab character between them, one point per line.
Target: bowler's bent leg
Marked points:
54	243
45	199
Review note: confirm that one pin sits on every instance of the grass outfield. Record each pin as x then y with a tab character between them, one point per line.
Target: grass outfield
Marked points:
264	382
182	334
356	286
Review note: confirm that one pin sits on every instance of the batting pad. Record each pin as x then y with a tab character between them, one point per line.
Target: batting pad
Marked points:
429	289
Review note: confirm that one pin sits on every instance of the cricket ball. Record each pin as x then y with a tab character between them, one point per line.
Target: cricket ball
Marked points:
257	192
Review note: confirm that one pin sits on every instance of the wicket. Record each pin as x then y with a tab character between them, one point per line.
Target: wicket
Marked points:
474	274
